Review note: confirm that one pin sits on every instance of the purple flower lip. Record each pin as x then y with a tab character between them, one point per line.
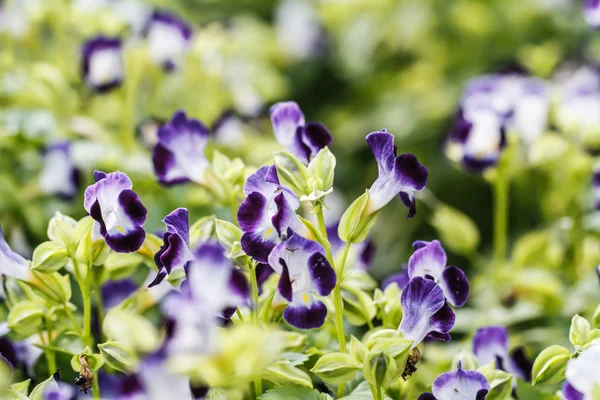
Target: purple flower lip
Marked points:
426	312
175	252
458	385
429	260
490	344
398	175
168	37
117	211
299	138
102	64
178	157
304	272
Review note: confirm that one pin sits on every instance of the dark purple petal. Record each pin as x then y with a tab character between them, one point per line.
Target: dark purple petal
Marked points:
108	188
410	173
490	343
284	287
322	274
271	175
428	260
177	222
408	199
114	292
286	117
455	284
160	276
164	161
256	246
418	244
401	279
263	272
519	365
425	310
8	350
305	312
257	182
382	146
102	75
315	136
426	396
239	284
285	217
475	165
460	384
168	18
99	175
127	242
570	393
461	129
173	254
252	212
133	207
367	254
295	251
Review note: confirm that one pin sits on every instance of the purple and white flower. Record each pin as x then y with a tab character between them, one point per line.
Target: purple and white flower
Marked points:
578	103
458	385
12	264
22	352
175	252
591	12
582	375
426	312
398	175
59	175
490	344
102	63
491	106
228	129
429	261
304	271
178	157
266	213
303	140
168	39
298	31
214	288
117	211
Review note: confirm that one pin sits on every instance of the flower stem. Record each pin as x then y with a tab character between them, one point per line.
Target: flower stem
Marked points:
379	393
87	311
500	217
50	356
255	313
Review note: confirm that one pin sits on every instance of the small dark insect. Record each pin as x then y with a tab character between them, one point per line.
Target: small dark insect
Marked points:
86	378
411	364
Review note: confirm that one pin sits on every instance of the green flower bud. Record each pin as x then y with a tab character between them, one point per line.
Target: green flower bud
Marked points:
118	356
456	230
88	250
357	350
292	173
54	286
38	392
550	365
322	167
396	347
95	361
336	368
229	237
580	327
49	257
389	309
467	360
379	369
357	221
130	329
60	229
25	318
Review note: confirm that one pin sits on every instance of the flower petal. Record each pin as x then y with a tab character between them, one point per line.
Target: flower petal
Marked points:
461	384
285	217
102	64
591	12
177	222
570	393
582	372
425	311
305	312
400	278
114	292
410	173
382	146
490	343
286	117
284	287
11	263
429	260
256	246
59	175
519	365
322	274
296	251
455	284
106	189
128	242
315	137
408	199
168	37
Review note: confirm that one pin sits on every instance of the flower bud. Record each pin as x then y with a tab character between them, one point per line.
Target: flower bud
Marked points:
580	327
49	257
357	221
550	365
336	368
60	229
379	369
456	230
292	173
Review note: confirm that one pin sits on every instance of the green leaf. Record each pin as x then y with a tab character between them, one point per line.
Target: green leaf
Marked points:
284	372
359	307
550	365
580	327
361	392
526	391
315	233
292	173
500	382
49	257
457	231
227	234
38	392
357	350
21	387
293	393
121	265
336	368
118	356
25	318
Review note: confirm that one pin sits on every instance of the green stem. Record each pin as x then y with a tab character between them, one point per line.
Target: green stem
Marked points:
87	312
96	388
239	314
50	356
255	312
373	391
500	217
54	349
379	393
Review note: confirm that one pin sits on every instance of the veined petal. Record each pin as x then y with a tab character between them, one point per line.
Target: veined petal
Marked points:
425	311
11	263
260	236
382	146
305	312
175	251
461	385
428	260
582	372
286	117
455	285
490	343
179	154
